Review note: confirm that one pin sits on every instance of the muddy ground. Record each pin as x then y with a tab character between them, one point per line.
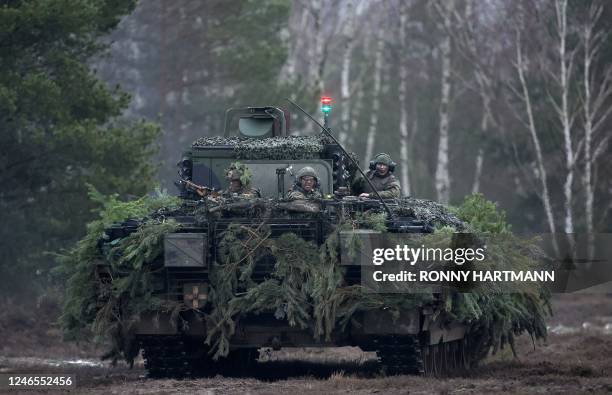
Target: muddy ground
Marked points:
576	358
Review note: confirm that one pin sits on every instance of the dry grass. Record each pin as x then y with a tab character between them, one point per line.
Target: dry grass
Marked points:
568	364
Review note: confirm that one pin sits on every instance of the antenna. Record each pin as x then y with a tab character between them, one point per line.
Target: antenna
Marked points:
327	131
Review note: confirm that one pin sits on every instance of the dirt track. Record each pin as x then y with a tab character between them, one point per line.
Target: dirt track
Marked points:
575	359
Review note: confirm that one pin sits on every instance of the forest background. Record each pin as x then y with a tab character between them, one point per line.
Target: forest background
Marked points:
510	99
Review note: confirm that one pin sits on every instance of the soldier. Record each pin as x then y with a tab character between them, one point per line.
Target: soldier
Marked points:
381	177
239	177
306	185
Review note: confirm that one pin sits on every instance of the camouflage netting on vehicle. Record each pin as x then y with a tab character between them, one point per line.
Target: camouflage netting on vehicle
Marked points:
306	288
109	311
291	147
434	213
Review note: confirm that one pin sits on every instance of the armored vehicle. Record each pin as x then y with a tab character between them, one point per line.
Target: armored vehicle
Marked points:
417	338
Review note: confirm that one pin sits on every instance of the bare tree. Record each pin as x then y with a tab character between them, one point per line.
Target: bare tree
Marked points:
442	172
356	114
525	97
403	102
378	65
357	89
597	92
563	110
347	54
316	50
318	33
465	34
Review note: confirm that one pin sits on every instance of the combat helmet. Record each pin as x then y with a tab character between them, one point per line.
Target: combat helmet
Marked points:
383	158
307	171
238	172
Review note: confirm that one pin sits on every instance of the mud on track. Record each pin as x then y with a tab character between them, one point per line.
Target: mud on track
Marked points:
576	359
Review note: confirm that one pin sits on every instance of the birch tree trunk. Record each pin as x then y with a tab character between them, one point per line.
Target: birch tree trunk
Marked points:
564	113
345	88
316	50
355	116
363	68
378	62
485	120
442	173
542	175
403	103
478	170
316	58
595	113
588	136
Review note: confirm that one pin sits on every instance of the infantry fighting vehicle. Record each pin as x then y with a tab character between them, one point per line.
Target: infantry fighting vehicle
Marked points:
420	340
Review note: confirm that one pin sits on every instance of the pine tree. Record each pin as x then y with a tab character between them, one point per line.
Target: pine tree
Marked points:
60	129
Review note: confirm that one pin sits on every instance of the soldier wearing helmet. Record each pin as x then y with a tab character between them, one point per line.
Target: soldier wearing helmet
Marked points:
239	178
382	178
306	185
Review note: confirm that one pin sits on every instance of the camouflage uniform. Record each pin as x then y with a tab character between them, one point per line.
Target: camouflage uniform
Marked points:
236	172
388	187
298	193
